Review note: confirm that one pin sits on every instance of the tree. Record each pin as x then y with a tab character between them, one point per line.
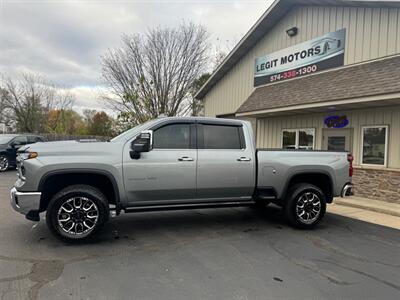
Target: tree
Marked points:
153	73
98	123
4	111
65	121
196	106
30	98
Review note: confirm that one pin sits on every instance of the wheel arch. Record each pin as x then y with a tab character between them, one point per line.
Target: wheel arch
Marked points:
54	181
321	179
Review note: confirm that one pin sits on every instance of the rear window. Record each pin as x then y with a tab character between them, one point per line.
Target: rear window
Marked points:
221	137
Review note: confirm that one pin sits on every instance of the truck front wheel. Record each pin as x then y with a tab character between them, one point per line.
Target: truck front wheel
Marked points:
305	205
77	213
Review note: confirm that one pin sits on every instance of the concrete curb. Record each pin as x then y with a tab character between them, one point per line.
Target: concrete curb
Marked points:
370	208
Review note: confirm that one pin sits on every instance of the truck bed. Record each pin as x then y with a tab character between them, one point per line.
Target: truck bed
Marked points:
277	167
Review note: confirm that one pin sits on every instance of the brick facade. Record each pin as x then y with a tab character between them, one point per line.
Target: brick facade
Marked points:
377	184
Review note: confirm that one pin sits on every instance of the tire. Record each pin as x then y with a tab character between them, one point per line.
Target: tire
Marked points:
4	163
77	213
303	201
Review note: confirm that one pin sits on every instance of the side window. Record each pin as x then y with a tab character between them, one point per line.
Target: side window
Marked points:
19	140
32	139
174	136
222	137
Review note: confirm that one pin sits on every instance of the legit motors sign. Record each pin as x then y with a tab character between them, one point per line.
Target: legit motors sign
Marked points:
312	56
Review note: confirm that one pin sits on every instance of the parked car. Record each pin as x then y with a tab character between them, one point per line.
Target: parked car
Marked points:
9	145
173	163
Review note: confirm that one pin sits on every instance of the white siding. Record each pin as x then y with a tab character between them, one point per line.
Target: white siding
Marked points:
269	130
370	33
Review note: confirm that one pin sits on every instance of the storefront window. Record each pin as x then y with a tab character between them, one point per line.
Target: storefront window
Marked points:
289	139
374	145
298	139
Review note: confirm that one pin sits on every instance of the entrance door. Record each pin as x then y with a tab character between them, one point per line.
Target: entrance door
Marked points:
337	139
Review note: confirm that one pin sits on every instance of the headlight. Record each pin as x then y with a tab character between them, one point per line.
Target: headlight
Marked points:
27	155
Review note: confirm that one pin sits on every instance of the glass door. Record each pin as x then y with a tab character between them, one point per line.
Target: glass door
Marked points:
337	139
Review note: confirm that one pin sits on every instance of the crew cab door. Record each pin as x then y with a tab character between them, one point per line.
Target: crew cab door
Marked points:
168	171
225	166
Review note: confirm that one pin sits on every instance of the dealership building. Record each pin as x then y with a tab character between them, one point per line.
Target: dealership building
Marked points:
321	75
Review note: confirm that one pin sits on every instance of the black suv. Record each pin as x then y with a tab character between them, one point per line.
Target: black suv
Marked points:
9	144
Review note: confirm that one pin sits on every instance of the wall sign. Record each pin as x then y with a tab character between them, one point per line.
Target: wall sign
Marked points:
336	121
318	54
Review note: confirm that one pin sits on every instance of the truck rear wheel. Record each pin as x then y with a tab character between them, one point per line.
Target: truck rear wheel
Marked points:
77	213
305	205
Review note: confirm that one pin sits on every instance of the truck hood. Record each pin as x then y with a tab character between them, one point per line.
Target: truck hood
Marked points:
69	148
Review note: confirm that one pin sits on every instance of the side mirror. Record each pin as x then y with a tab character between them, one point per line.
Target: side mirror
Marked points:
141	144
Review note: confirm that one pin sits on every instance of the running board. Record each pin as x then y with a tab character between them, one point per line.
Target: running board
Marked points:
187	206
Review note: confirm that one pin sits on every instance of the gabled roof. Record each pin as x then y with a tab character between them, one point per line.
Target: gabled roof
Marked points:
268	20
372	78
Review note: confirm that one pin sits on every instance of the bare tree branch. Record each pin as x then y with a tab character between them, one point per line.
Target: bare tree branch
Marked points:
152	74
29	99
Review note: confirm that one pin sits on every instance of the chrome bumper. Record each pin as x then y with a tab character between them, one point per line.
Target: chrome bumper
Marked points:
25	202
346	191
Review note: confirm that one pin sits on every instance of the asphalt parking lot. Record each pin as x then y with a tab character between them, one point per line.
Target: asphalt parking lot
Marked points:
236	253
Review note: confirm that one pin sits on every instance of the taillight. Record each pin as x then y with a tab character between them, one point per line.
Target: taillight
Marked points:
350	159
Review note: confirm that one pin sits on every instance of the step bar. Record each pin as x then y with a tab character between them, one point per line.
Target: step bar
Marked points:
150	208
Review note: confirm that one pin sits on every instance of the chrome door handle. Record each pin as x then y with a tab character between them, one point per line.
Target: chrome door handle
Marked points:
185	158
244	159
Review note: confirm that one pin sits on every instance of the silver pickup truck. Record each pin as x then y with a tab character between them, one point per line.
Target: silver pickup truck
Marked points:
173	163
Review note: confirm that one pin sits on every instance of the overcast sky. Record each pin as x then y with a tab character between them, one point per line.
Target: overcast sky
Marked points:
63	39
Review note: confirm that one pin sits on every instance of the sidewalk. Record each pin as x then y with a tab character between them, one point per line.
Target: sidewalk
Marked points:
368	210
382	207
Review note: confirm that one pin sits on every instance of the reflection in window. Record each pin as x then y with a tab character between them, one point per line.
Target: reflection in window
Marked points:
336	143
289	139
298	139
306	139
174	136
213	134
374	145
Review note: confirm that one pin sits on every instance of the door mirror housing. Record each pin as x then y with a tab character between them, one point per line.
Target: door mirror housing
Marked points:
143	143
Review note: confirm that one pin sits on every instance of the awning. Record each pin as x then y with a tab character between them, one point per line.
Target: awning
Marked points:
368	84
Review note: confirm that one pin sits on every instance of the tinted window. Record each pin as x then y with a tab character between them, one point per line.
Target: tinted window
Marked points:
174	136
221	137
33	139
19	140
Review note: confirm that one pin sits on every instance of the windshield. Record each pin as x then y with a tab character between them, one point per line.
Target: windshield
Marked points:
132	132
5	139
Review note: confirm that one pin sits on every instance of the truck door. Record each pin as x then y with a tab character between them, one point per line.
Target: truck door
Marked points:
168	171
225	166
